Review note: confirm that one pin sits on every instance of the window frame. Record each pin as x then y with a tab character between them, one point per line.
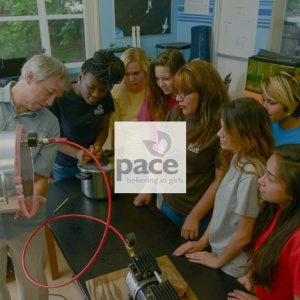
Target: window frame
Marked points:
91	21
276	26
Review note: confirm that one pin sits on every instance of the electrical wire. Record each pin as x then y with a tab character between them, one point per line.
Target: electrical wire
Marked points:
107	227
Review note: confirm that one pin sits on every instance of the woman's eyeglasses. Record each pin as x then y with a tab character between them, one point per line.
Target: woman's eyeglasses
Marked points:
183	95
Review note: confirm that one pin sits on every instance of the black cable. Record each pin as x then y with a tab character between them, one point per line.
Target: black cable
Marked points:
58	296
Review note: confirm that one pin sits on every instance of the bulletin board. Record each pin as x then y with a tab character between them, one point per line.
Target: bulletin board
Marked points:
238	27
153	17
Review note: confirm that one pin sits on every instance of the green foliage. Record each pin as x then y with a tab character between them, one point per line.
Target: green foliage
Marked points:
66	32
293	5
116	45
19	38
22	38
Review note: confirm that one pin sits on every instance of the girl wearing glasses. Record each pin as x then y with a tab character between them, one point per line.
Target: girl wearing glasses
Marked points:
200	95
247	142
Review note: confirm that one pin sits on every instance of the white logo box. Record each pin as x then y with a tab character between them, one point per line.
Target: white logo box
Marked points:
150	157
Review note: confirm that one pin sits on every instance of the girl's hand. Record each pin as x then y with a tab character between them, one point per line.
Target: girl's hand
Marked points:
141	199
189	247
97	151
190	228
241	295
82	156
244	281
203	258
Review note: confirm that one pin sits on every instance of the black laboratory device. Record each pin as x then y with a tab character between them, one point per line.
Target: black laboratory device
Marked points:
143	278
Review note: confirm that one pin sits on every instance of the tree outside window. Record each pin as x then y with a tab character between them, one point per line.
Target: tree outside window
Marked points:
290	43
33	27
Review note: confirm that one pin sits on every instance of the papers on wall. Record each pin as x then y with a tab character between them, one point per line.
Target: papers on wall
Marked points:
196	7
238	28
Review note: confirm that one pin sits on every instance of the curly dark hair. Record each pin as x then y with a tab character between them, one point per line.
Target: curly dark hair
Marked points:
105	66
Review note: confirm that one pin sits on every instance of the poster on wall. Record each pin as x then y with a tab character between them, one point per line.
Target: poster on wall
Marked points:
196	7
238	28
153	17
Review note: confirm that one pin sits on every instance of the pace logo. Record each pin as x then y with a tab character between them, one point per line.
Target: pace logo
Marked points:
150	157
99	110
161	136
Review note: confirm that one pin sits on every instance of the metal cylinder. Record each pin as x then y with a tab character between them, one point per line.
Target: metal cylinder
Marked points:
16	168
92	180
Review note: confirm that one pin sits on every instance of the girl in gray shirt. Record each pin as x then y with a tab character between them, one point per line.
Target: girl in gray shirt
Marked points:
247	142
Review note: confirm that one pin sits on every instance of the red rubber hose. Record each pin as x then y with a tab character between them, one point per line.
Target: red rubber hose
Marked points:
107	227
86	267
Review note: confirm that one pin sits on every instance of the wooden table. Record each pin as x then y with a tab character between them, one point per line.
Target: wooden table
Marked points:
79	238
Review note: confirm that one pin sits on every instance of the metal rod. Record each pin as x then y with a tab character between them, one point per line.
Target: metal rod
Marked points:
157	277
232	57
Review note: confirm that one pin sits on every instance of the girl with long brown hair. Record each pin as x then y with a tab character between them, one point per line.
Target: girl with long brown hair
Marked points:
247	142
161	97
275	244
200	95
160	86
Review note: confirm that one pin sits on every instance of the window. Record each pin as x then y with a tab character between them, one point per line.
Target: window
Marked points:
285	21
58	28
290	42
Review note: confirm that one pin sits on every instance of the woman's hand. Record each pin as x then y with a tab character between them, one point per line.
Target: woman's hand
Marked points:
189	247
141	199
190	228
245	281
204	258
236	294
82	156
97	151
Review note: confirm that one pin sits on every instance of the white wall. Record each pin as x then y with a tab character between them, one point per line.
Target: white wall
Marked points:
238	67
239	74
181	32
147	42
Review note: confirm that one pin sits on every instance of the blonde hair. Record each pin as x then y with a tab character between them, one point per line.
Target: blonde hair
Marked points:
129	56
44	67
284	88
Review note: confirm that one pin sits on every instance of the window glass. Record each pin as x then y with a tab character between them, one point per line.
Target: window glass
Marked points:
53	27
290	43
65	37
19	39
18	8
293	6
62	7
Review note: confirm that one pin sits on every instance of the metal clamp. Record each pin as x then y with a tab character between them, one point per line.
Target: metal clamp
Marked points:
4	198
